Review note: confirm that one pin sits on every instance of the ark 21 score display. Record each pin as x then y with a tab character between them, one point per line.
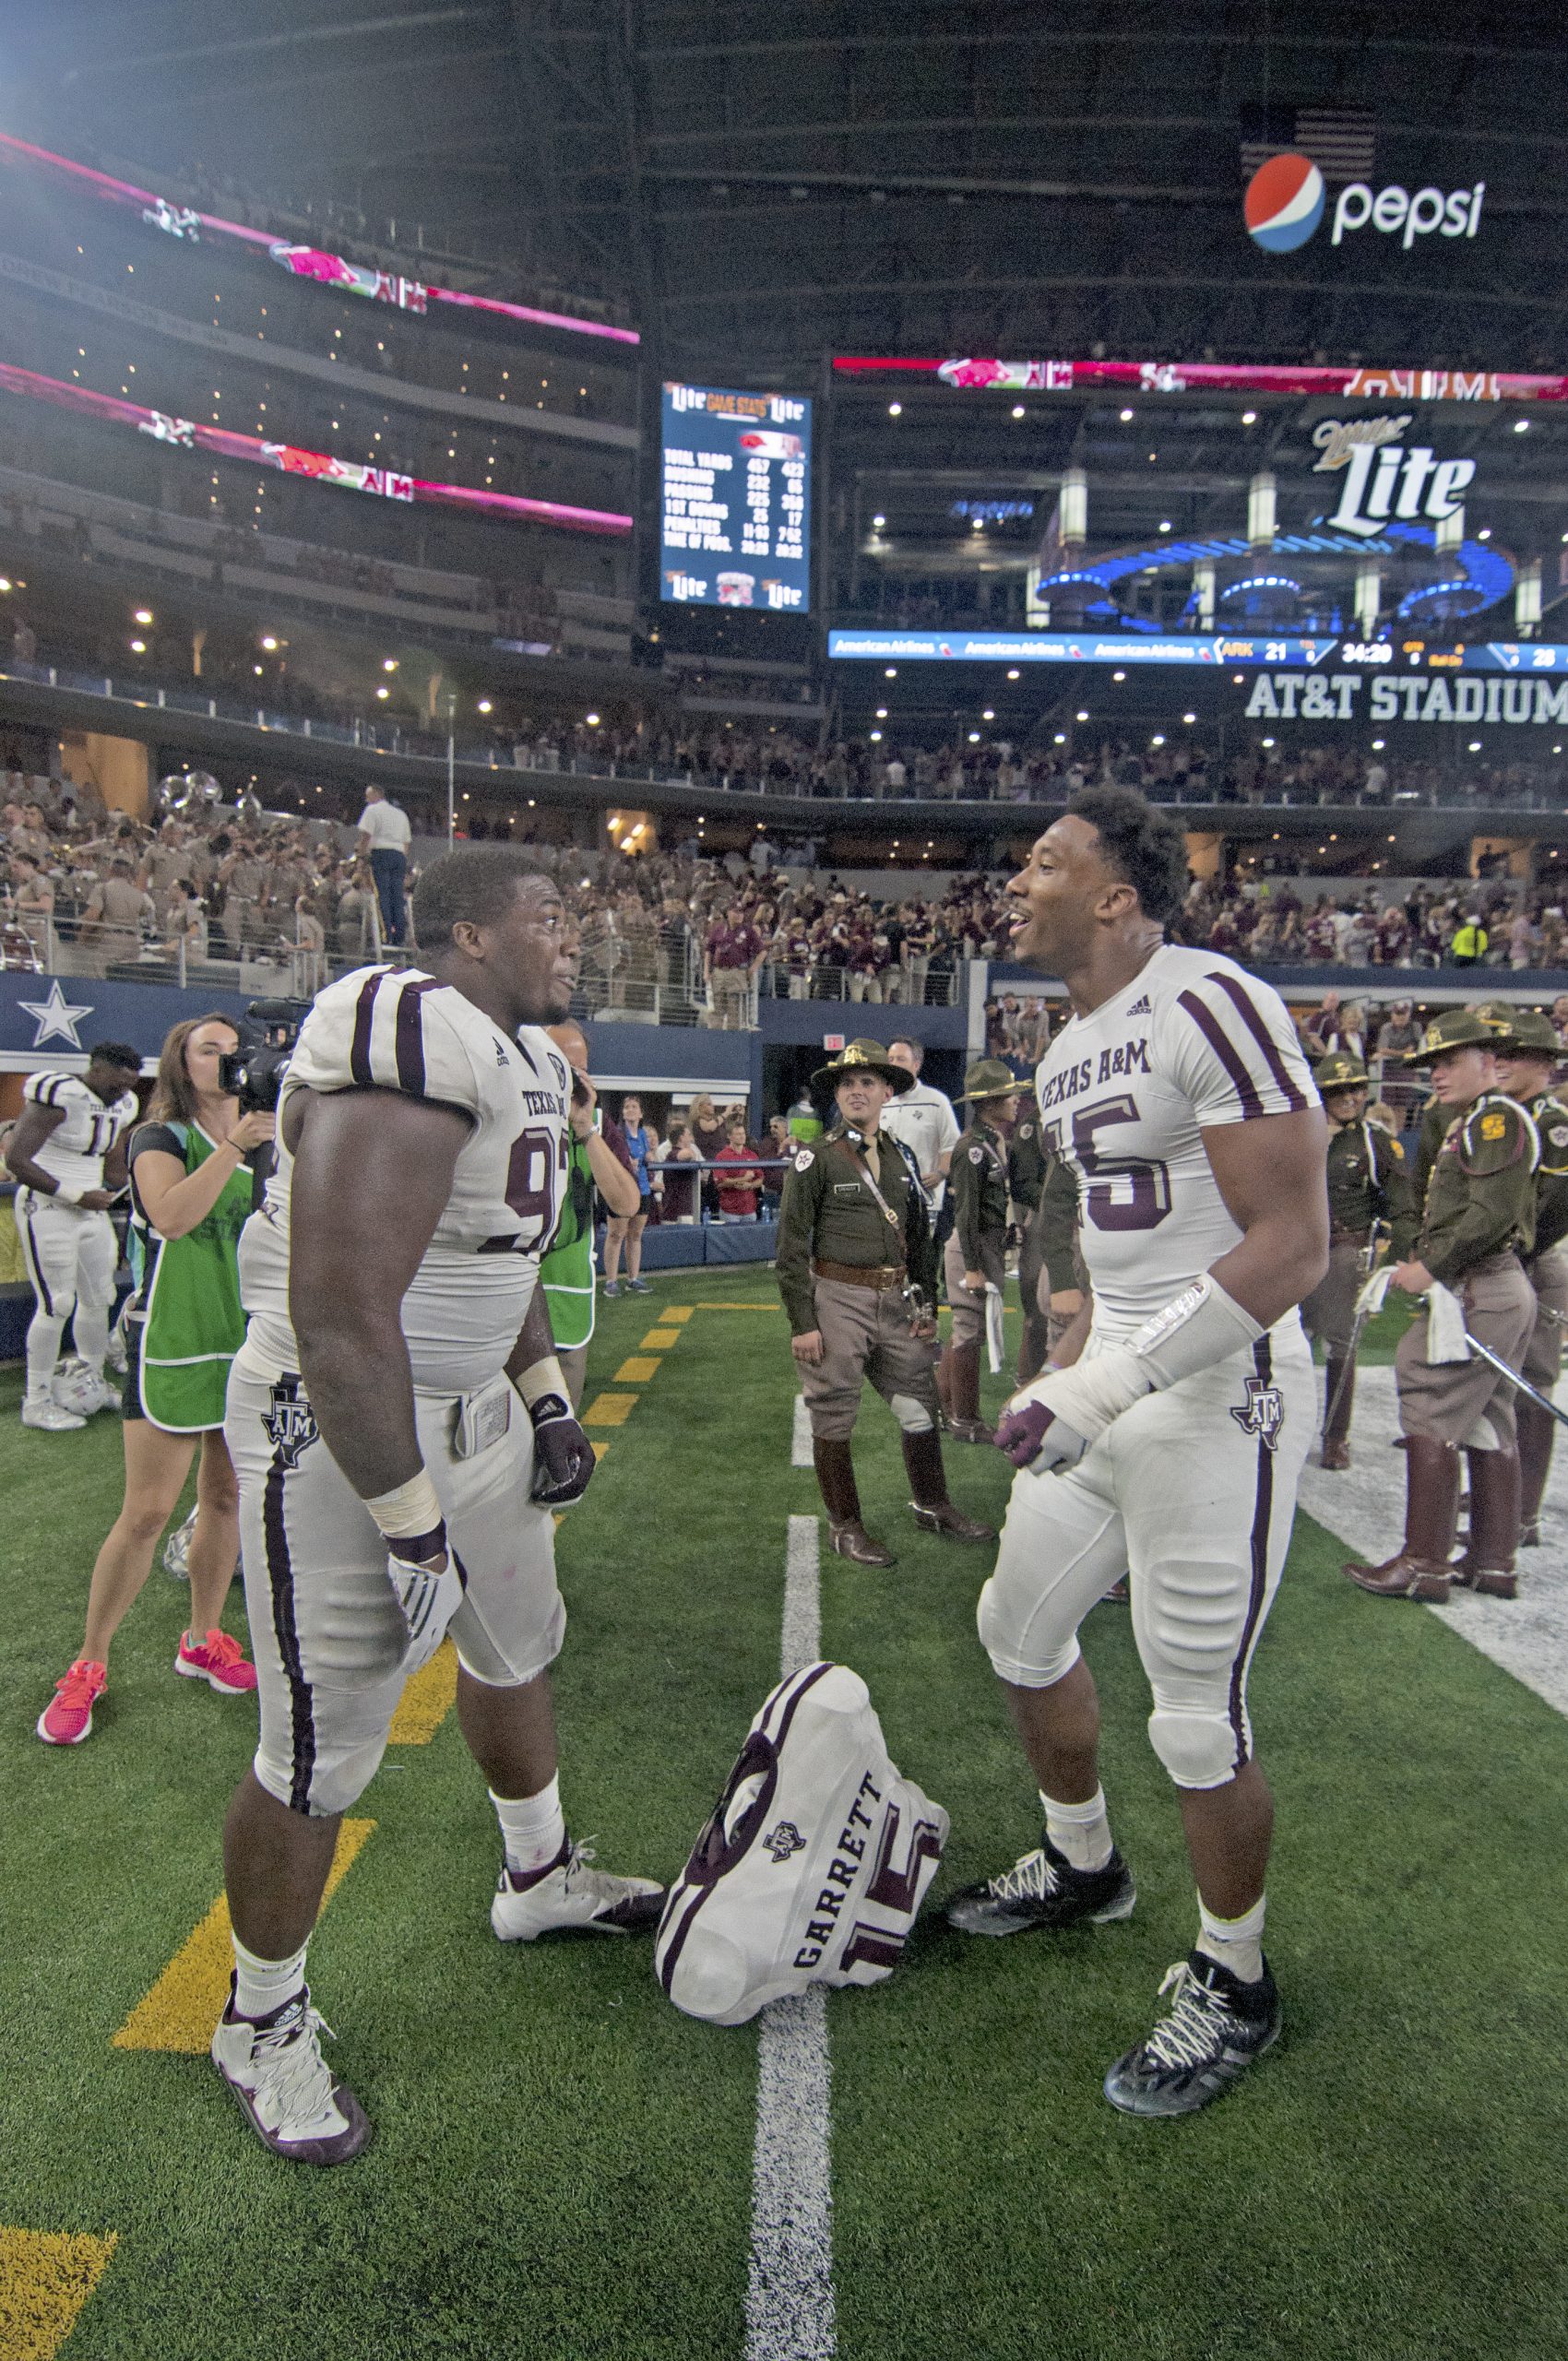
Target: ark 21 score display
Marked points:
734	488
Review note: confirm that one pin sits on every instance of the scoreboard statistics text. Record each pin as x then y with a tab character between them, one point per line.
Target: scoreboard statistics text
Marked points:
734	485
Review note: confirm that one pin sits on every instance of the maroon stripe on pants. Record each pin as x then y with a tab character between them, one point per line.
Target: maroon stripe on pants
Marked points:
1251	1018
1262	1515
1208	1025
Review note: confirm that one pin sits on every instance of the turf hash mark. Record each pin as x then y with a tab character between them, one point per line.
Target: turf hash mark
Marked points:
428	1697
659	1340
791	2314
44	2280
800	1437
188	1997
636	1370
609	1410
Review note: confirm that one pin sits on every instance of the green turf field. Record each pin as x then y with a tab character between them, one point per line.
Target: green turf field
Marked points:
562	2165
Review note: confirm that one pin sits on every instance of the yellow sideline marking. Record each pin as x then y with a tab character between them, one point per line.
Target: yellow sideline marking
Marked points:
188	1997
601	1448
609	1410
636	1370
740	1307
659	1340
677	1311
46	2278
427	1699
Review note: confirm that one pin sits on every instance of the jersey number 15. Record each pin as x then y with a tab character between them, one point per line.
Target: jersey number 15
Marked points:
1123	1192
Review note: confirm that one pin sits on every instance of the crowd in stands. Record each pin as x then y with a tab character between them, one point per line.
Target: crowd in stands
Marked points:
670	931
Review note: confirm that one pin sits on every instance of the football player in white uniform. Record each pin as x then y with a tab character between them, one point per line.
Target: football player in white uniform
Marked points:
401	1433
67	1151
1168	1432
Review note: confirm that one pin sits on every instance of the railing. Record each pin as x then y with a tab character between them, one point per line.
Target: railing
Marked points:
918	982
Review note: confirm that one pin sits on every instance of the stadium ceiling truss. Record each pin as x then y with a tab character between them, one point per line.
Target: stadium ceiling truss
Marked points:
760	186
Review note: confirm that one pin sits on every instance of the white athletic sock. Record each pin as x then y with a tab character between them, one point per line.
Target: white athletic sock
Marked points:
263	1985
90	1329
1236	1943
533	1828
44	1336
1080	1831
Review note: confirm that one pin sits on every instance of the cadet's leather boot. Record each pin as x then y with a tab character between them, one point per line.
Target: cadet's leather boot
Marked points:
1339	1394
964	1419
1537	1429
928	1481
1488	1563
1420	1568
847	1537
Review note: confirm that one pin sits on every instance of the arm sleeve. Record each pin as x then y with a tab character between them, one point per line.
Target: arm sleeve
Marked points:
1058	1219
797	1225
1233	1052
379	1030
963	1185
1499	1166
160	1136
1396	1198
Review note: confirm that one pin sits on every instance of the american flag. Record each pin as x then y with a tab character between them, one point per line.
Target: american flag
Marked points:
1341	141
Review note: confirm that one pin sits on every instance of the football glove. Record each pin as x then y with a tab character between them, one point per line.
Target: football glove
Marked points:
564	1460
428	1597
1033	1436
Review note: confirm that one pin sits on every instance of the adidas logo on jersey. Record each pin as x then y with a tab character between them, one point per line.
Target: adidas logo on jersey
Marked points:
1141	1007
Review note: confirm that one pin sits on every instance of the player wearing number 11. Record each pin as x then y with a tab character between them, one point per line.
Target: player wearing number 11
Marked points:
1168	1433
401	1432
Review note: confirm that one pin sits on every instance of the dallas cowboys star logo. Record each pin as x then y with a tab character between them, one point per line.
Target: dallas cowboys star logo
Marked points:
57	1020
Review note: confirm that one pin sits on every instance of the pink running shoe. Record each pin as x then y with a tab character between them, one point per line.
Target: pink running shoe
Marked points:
219	1661
69	1719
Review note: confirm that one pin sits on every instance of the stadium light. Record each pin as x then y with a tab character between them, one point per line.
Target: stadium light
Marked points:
6	579
875	740
895	409
1158	738
974	737
593	721
381	691
891	674
882	713
1249	417
1475	745
1189	716
1061	739
1118	676
389	664
269	643
1014	673
485	706
1521	426
1017	409
988	715
138	648
1083	717
143	616
1126	418
877	523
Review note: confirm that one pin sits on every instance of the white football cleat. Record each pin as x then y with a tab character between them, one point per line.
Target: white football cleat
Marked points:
571	1897
290	2099
51	1417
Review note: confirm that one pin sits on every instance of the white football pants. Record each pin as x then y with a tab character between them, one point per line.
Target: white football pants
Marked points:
71	1258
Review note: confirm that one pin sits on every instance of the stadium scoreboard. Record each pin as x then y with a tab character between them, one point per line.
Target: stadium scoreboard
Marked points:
734	492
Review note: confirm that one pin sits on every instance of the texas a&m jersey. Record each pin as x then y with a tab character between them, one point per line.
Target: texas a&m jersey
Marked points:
1125	1096
396	1029
76	1149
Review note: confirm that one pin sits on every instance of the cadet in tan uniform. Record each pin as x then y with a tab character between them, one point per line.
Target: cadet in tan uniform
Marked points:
1367	1186
976	1255
1478	1222
1524	1062
853	1235
1051	1281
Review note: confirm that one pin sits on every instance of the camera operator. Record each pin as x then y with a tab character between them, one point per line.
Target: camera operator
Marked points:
192	1191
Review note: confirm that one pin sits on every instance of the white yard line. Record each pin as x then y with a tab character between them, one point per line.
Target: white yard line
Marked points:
1365	1506
800	1439
789	2307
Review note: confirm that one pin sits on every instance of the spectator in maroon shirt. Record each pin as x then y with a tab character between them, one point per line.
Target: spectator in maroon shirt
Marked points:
731	956
737	1194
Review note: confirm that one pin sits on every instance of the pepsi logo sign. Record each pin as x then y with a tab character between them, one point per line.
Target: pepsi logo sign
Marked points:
1285	200
1283	203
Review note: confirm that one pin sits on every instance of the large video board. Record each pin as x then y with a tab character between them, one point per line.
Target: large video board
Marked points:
734	499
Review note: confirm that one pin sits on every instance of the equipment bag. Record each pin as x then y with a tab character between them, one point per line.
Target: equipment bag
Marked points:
813	1864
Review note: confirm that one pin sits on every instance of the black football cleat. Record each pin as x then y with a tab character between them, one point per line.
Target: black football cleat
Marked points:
1216	2028
1044	1890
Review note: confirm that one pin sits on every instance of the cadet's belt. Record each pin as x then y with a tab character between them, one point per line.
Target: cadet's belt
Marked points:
880	1275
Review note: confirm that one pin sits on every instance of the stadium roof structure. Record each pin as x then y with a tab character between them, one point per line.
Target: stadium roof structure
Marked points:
762	185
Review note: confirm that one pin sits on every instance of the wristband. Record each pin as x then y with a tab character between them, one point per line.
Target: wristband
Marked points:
410	1515
543	1391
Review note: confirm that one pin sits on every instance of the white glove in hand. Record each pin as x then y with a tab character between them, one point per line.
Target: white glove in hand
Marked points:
429	1596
